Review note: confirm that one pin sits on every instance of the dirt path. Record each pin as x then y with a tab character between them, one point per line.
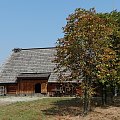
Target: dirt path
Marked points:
11	99
110	113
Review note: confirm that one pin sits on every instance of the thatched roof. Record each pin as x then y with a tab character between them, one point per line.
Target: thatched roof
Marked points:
34	61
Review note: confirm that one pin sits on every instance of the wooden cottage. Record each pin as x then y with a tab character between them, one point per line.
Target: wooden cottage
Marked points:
30	71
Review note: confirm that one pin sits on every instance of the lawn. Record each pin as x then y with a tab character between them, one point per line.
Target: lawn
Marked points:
56	109
43	109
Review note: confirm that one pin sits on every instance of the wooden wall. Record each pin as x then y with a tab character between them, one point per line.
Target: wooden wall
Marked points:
11	88
51	87
26	87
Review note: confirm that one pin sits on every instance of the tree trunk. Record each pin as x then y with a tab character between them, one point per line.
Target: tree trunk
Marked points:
85	102
104	95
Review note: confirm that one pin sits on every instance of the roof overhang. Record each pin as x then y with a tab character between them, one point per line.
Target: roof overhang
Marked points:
33	76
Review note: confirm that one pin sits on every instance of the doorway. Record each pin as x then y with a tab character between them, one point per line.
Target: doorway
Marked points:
38	88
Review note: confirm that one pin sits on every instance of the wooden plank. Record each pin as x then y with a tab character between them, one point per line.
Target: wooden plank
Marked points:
11	89
44	88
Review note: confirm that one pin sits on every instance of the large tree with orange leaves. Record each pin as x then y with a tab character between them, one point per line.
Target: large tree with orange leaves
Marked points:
84	52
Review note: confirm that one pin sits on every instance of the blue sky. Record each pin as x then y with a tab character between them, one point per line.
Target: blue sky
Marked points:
38	23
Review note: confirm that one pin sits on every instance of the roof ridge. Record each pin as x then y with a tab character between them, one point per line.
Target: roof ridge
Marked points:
38	48
19	49
36	73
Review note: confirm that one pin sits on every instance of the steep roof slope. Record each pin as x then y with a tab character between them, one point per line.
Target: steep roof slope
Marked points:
34	60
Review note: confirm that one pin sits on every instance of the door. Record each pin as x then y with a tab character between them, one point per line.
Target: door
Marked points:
38	88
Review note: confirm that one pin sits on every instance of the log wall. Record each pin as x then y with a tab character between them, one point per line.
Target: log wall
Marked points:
26	87
11	88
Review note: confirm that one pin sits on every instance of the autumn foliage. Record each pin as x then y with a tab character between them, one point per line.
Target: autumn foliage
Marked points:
84	53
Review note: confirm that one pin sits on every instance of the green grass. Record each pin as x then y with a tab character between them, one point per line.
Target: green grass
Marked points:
43	109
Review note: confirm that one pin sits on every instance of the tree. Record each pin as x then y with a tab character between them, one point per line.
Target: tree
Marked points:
82	51
114	16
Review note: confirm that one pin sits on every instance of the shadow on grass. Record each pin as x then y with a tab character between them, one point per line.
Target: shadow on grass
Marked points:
72	107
